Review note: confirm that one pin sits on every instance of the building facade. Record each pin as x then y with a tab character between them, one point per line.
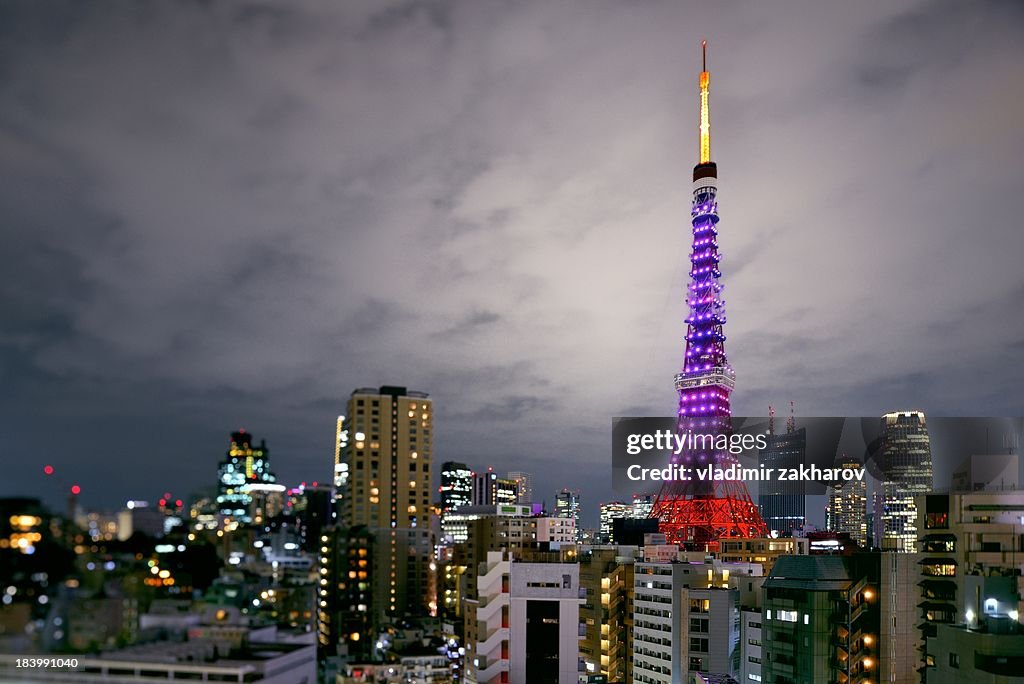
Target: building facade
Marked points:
971	584
243	465
567	505
821	620
456	488
606	575
783	502
686	620
847	505
491	490
544	622
611	511
905	461
524	485
388	453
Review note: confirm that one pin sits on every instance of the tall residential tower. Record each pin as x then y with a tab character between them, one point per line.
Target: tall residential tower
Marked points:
388	453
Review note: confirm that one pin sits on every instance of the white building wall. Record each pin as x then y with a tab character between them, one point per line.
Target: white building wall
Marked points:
750	646
547	582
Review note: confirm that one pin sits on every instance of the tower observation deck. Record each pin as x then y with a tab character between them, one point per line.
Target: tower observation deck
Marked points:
698	513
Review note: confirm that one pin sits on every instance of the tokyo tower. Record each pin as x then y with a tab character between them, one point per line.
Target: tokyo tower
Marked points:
698	513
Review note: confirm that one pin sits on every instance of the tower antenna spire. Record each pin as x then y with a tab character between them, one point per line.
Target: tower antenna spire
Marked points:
705	122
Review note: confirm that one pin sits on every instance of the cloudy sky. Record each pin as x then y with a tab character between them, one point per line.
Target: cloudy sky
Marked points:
223	215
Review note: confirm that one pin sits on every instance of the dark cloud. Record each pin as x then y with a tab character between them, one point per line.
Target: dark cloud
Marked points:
217	216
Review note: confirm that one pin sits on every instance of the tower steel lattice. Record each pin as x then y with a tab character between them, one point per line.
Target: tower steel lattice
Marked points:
698	513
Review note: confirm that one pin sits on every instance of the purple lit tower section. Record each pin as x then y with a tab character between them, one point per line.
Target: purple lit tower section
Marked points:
698	513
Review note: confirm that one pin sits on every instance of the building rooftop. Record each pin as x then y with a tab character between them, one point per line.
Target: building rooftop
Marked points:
820	573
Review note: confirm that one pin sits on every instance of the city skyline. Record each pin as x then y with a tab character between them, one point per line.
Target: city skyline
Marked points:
189	255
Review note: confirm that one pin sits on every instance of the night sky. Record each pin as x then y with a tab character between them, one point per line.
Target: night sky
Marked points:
224	215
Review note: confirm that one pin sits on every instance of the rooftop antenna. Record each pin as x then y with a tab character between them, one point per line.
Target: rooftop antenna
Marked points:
791	421
771	419
705	121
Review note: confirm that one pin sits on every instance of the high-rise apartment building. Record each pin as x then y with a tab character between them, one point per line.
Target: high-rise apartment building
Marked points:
847	504
686	619
243	465
820	620
971	588
345	614
905	461
606	576
388	453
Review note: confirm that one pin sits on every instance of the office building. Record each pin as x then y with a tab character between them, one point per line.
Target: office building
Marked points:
993	655
567	505
905	461
456	487
509	528
610	512
243	465
782	502
491	490
456	525
643	504
524	623
524	485
751	656
847	504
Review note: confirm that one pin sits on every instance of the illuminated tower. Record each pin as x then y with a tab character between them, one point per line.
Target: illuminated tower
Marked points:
694	512
244	466
906	464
